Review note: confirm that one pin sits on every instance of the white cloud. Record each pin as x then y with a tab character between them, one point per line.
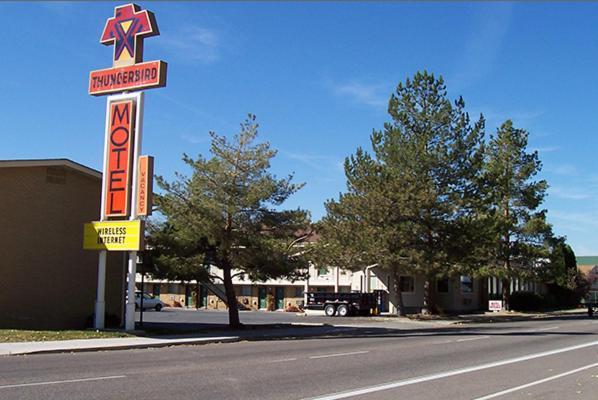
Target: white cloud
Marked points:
563	170
481	51
547	149
581	218
495	118
374	95
194	43
315	161
195	139
569	194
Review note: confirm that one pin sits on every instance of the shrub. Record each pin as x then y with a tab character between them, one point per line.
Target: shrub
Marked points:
526	301
270	302
292	308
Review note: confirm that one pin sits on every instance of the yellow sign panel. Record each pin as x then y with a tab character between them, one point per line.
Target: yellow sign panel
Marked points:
114	235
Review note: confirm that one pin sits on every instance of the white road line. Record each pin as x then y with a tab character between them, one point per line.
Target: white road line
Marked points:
99	378
426	378
550	378
284	360
548	329
473	338
443	342
340	354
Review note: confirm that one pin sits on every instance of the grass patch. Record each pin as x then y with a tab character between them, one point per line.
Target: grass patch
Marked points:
19	335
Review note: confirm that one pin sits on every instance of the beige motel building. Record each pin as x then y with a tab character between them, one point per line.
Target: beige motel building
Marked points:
588	266
47	280
456	294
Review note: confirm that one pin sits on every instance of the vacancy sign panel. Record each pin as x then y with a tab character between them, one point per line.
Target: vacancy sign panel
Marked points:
145	175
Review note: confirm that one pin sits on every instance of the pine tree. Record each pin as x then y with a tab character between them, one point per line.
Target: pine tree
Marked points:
416	197
227	215
518	228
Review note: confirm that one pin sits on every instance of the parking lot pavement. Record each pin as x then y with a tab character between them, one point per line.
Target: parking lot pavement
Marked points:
191	319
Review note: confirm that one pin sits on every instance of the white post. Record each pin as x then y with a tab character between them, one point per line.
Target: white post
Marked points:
337	279
100	305
130	307
132	264
306	289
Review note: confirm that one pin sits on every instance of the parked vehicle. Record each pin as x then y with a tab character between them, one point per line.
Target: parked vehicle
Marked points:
344	304
591	301
149	302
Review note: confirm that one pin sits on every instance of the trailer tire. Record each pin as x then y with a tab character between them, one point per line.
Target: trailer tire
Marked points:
329	310
342	310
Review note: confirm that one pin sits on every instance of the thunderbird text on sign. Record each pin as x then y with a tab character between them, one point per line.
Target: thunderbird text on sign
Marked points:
120	142
151	74
114	235
126	31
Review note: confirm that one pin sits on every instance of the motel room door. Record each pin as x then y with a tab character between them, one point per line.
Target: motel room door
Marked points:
279	298
261	294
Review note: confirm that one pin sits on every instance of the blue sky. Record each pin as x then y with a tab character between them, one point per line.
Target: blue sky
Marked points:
318	77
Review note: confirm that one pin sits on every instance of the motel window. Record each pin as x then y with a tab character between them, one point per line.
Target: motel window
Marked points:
323	271
407	284
299	292
156	290
442	285
245	290
466	284
173	288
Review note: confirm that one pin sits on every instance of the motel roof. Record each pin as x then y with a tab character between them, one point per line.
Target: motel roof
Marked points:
51	162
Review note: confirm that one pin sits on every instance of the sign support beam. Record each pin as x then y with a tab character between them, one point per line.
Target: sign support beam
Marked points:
120	181
100	305
132	268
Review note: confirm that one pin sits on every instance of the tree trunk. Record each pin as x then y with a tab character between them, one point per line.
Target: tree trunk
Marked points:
427	307
197	295
506	281
231	297
506	293
398	293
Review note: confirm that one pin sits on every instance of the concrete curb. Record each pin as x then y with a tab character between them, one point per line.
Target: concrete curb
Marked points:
59	347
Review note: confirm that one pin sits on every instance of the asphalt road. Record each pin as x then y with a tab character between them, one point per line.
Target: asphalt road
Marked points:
543	359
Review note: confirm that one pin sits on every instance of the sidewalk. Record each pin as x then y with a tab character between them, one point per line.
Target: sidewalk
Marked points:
80	345
488	316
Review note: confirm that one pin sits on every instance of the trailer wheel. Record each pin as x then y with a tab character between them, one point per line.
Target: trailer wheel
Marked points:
329	310
342	310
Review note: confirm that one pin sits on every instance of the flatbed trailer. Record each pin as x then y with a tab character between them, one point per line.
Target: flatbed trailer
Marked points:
591	302
343	304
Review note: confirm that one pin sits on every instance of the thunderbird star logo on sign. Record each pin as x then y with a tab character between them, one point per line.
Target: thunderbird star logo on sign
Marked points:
126	30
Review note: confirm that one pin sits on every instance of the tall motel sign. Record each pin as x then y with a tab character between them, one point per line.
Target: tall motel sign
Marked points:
127	176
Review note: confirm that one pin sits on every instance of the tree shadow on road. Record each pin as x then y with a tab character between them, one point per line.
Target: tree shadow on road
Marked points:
286	331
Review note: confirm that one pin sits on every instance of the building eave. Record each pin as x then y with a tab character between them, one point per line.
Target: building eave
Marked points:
51	162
